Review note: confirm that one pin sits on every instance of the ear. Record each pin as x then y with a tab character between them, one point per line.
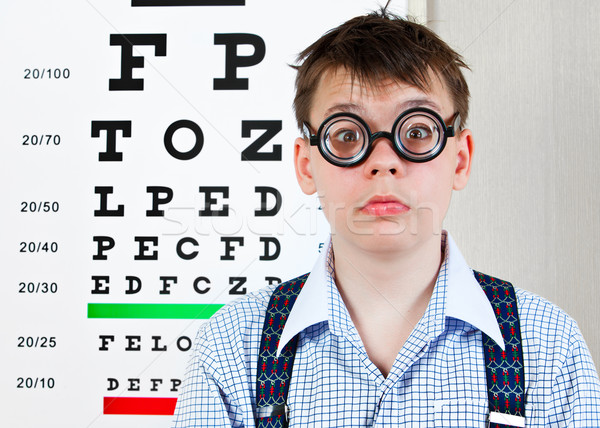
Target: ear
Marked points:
464	156
303	166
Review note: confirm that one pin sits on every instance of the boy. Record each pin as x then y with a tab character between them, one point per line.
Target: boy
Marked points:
390	323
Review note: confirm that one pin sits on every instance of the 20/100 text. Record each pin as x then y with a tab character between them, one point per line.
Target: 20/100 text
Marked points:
47	73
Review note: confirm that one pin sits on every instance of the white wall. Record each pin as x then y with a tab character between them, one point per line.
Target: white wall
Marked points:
530	212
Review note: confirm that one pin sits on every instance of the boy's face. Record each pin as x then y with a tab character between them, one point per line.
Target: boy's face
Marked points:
385	203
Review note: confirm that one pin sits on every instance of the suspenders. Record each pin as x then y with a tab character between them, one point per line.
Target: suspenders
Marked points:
504	369
273	374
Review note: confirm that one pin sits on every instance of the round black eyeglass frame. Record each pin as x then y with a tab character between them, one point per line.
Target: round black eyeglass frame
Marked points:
447	132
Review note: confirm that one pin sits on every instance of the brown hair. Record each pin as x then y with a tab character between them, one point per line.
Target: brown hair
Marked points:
376	47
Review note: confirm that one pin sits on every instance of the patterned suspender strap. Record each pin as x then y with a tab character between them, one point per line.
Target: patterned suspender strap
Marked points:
504	369
274	373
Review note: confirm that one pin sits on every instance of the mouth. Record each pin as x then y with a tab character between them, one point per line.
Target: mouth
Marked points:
381	206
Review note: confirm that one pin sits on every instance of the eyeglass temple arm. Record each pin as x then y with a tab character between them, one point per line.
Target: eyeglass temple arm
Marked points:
313	139
451	130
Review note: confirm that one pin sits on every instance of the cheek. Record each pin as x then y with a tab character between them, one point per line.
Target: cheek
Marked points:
331	181
333	192
434	183
337	191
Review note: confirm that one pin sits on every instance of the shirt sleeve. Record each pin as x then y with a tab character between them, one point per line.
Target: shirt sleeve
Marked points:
218	385
576	388
202	401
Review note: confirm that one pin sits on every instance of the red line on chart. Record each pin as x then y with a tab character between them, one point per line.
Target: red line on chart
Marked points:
139	406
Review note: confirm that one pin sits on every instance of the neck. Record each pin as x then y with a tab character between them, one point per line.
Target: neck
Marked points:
387	282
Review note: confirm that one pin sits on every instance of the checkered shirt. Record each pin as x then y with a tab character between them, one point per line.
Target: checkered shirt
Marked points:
437	380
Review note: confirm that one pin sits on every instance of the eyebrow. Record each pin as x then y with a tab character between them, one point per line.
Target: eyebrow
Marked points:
359	109
419	102
344	108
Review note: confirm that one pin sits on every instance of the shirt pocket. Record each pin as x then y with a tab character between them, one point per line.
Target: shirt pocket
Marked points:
464	413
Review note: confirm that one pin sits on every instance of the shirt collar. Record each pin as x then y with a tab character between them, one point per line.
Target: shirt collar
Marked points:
310	307
466	300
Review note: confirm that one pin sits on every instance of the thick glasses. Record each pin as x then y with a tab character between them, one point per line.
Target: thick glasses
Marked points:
419	135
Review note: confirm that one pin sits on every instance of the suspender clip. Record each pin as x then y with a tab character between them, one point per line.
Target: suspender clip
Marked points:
506	419
275	411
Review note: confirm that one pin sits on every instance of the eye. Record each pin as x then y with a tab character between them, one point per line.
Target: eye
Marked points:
418	133
347	136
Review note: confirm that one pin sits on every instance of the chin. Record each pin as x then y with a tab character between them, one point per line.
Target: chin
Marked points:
394	240
385	240
381	227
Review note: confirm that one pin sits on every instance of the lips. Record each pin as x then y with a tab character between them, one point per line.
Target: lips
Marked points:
380	206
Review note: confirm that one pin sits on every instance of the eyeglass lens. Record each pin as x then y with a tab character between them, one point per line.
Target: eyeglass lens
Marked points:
345	139
419	135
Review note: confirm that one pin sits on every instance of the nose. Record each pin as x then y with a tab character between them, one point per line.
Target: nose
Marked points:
383	160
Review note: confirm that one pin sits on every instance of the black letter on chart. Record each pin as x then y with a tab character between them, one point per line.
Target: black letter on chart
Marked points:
105	340
105	243
233	61
128	62
190	255
237	283
229	240
143	248
197	288
111	126
267	241
264	211
157	200
194	151
210	201
100	284
171	3
271	127
104	191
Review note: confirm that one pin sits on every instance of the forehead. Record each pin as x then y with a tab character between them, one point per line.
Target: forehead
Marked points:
337	91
